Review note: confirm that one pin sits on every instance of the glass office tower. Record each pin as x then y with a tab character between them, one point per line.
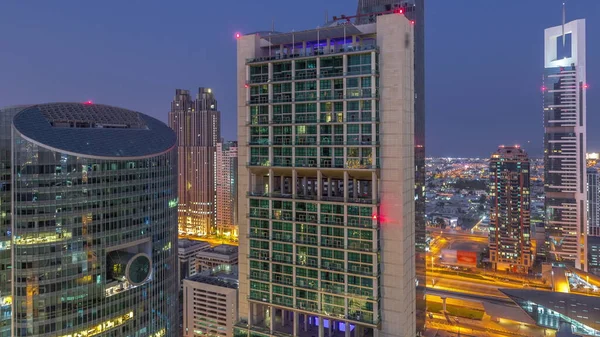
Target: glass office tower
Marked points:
326	180
565	143
94	222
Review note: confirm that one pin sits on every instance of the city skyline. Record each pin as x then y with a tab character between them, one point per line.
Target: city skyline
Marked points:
145	83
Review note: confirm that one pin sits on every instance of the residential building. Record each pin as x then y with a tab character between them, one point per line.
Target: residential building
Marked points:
210	301
216	256
92	208
327	226
509	237
188	249
227	167
565	142
197	125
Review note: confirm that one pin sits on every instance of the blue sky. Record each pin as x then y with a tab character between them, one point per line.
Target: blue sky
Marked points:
483	63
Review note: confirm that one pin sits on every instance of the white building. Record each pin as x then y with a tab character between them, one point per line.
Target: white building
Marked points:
565	142
210	301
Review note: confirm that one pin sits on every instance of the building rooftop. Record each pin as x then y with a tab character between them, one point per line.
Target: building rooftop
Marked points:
95	130
223	276
187	243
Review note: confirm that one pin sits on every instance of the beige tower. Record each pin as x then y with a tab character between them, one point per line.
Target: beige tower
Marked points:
326	181
197	125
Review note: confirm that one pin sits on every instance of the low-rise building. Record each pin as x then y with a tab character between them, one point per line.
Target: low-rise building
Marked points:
210	302
216	256
187	256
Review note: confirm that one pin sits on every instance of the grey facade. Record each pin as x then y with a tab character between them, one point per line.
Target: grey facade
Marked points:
94	195
414	11
197	124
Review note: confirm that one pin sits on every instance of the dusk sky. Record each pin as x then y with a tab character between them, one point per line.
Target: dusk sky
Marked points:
484	59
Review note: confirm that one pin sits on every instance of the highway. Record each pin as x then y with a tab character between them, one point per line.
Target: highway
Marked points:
470	297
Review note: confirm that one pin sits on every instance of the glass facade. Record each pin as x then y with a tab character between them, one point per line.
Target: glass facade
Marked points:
564	166
94	238
313	235
6	116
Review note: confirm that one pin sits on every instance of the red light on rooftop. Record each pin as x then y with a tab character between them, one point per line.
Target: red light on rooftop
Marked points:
238	35
245	85
585	86
88	103
412	22
374	217
543	88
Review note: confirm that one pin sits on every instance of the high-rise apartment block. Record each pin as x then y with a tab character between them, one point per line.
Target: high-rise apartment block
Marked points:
565	143
197	125
509	237
88	197
227	168
326	180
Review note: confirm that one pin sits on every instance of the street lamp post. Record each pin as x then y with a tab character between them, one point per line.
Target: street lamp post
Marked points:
458	325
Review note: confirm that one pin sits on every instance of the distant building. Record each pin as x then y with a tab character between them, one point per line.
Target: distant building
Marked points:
197	125
593	209
210	301
509	238
565	142
594	254
214	257
538	239
187	256
227	189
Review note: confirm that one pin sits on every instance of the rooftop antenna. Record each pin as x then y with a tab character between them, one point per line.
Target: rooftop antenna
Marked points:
273	25
563	23
326	16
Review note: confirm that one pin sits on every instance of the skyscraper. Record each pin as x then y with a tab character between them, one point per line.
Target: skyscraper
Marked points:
91	212
509	238
565	142
414	10
326	129
227	168
593	209
197	124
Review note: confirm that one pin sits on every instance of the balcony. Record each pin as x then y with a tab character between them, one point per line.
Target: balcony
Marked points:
312	53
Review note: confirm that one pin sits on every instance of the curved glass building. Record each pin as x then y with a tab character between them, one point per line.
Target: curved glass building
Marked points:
92	224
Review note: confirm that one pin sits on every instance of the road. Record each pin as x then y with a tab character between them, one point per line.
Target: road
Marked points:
465	287
213	241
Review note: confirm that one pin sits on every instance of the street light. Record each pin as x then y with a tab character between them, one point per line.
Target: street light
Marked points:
458	325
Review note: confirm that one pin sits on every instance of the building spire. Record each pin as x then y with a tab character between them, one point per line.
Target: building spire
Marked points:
563	23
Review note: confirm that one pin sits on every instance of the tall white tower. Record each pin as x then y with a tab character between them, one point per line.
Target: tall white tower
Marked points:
565	142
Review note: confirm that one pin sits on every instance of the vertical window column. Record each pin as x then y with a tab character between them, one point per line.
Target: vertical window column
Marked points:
247	87
270	74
